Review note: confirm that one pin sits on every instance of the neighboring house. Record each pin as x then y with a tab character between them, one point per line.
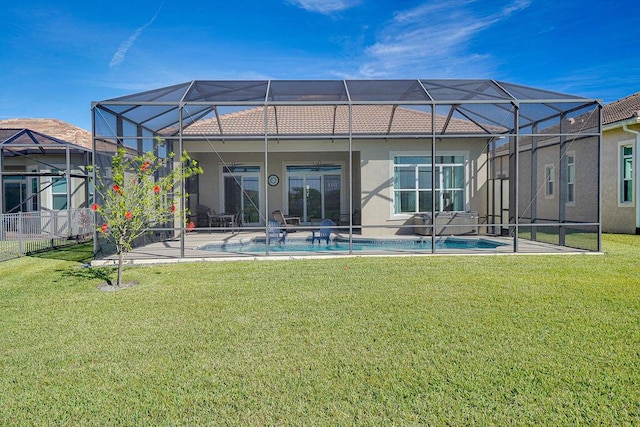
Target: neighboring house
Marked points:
620	160
378	154
43	166
558	176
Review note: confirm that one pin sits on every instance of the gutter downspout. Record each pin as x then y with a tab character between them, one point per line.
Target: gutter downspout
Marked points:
625	128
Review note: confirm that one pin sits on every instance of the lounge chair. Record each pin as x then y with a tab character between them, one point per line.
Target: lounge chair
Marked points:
275	232
326	227
286	221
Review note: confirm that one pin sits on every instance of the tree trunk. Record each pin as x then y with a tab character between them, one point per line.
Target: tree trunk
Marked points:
120	261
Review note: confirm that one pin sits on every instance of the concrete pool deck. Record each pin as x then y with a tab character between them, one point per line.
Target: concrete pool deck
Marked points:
168	251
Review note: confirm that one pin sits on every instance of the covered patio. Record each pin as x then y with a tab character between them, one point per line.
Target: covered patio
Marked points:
401	160
40	172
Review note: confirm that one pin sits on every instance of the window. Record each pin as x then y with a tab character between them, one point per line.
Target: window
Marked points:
34	194
412	184
58	192
571	173
550	178
626	194
92	191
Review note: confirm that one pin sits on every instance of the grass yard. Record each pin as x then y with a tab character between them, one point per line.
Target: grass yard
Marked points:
552	340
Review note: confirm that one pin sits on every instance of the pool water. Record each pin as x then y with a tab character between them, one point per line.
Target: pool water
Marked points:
359	244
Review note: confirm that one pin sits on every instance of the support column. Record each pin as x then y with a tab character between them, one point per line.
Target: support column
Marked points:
69	190
600	177
514	178
265	177
1	180
92	177
433	178
351	179
534	181
182	183
562	179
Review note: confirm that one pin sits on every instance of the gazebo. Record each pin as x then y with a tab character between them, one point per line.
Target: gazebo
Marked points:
384	160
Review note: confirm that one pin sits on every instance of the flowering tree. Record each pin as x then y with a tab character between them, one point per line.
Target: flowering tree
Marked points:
144	193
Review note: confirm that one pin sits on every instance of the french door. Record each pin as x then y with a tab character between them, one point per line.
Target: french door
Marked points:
314	192
241	192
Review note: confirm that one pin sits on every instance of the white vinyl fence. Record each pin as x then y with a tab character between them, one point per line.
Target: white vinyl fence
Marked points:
27	232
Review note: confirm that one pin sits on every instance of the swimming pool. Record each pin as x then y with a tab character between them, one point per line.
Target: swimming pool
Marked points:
257	245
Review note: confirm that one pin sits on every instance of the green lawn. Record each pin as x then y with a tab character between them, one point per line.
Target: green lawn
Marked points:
552	340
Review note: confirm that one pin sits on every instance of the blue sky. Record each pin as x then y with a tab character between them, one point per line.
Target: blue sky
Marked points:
57	57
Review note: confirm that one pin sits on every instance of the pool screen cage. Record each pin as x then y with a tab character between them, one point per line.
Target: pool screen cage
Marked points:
531	172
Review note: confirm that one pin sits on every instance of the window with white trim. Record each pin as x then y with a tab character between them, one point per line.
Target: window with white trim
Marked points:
571	175
626	176
412	179
34	194
58	191
549	181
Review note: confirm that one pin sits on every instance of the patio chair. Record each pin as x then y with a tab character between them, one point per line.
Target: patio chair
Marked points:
275	232
238	221
326	227
286	221
201	215
214	220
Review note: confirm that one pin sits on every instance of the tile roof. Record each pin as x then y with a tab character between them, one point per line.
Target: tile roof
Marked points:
330	120
51	127
622	109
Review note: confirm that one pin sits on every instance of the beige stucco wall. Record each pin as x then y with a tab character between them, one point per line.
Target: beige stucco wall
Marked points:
372	172
617	217
40	163
212	156
377	179
583	208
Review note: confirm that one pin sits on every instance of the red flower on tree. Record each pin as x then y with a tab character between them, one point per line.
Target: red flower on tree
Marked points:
133	191
94	207
173	208
191	226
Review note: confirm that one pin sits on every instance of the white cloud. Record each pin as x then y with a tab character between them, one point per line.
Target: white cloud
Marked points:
433	38
325	7
118	57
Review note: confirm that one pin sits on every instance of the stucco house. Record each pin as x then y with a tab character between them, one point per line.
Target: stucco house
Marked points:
620	155
43	166
310	178
378	157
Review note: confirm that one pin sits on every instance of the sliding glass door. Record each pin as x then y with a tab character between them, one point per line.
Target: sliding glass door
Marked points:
242	192
15	195
314	192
